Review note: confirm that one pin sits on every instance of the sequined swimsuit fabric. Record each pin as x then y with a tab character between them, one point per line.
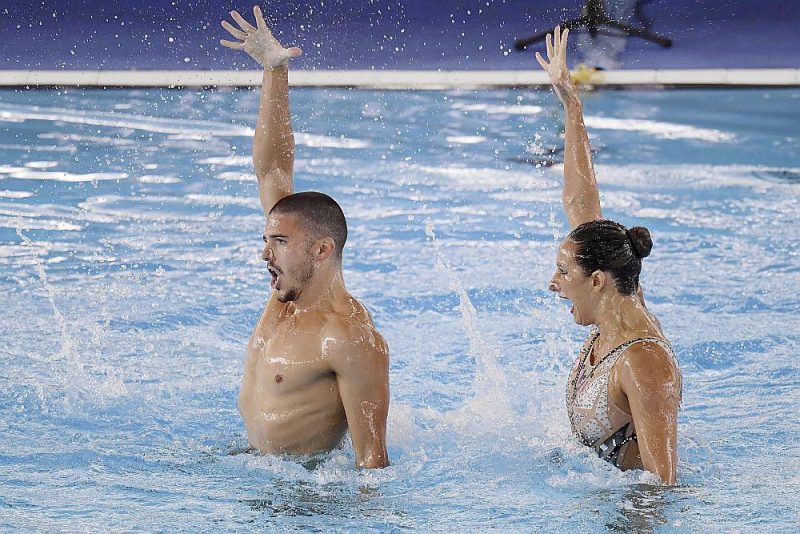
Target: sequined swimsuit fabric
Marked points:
593	418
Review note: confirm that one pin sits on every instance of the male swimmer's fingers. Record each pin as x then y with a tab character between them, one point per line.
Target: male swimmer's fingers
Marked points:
233	31
550	51
564	38
246	26
557	38
294	52
231	44
260	22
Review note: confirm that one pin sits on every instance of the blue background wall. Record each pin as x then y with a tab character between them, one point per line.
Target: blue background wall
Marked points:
395	34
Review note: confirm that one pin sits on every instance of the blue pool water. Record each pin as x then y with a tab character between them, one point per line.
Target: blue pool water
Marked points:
130	235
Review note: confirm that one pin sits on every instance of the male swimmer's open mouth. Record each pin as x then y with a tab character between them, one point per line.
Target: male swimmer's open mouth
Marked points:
275	273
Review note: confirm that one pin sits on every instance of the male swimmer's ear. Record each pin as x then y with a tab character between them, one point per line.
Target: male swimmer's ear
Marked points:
325	248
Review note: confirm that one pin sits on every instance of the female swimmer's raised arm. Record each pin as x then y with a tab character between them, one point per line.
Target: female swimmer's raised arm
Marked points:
580	197
273	142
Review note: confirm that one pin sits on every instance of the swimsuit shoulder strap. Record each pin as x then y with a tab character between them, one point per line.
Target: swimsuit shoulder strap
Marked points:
588	346
578	374
619	350
663	343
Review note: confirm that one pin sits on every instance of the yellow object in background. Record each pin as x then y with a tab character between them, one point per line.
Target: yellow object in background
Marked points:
584	75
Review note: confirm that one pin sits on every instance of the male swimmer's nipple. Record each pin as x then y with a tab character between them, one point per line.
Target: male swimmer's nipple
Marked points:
278	378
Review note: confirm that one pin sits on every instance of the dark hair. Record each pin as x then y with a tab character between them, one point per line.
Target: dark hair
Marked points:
604	245
319	214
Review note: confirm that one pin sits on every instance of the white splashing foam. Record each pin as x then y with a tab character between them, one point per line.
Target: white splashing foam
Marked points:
77	378
466	139
181	128
146	123
220	200
495	109
41	164
34	148
89	139
23	173
661	130
15	194
38	224
235	161
323	141
490	401
235	176
158	179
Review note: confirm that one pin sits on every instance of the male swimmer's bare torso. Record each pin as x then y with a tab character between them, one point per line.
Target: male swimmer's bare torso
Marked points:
290	399
315	366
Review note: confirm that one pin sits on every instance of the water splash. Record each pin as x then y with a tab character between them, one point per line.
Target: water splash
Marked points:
490	401
71	377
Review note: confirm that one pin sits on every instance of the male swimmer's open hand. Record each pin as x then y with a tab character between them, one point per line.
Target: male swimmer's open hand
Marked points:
556	66
258	42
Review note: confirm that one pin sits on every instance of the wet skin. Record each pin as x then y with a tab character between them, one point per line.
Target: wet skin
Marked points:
644	385
314	363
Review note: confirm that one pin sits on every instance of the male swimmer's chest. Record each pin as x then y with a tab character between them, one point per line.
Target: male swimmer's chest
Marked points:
289	355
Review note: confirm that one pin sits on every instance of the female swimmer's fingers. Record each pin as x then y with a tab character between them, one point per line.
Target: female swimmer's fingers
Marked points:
541	61
231	44
564	48
294	52
233	31
262	25
243	24
550	51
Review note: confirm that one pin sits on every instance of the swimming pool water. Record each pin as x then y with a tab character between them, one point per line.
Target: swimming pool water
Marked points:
130	234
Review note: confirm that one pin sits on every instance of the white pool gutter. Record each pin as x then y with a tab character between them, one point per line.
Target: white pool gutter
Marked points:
401	79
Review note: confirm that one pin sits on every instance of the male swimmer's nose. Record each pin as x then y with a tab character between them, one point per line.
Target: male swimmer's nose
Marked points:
552	287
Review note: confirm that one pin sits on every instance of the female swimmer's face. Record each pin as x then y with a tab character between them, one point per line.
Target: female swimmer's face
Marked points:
572	284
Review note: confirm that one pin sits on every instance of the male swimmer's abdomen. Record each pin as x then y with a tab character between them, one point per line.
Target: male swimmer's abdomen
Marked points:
294	426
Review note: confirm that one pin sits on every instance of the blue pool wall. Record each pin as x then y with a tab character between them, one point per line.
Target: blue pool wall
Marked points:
381	34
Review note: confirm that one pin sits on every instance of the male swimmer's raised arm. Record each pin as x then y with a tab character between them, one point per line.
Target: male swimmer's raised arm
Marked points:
360	358
652	384
273	143
580	197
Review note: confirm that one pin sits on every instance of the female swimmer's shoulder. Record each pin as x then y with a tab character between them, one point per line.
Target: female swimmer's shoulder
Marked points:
649	367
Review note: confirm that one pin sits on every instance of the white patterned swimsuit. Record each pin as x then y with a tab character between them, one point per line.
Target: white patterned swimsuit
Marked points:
590	412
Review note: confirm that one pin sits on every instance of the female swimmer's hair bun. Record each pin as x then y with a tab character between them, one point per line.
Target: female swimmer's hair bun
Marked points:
640	241
610	247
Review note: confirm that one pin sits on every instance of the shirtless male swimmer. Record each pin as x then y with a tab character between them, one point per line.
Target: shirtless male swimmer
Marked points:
315	363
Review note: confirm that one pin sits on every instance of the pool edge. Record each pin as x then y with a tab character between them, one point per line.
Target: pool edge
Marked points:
404	79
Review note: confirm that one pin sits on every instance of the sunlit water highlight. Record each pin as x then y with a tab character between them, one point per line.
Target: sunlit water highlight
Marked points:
129	241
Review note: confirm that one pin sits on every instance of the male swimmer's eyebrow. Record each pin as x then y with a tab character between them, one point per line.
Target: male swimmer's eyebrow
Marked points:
275	236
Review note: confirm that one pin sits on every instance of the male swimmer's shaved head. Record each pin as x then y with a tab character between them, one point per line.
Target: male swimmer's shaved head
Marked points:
319	214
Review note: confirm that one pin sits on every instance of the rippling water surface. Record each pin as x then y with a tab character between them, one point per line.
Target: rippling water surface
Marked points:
130	234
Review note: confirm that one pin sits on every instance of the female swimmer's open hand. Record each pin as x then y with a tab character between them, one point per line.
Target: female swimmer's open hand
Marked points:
556	66
258	41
